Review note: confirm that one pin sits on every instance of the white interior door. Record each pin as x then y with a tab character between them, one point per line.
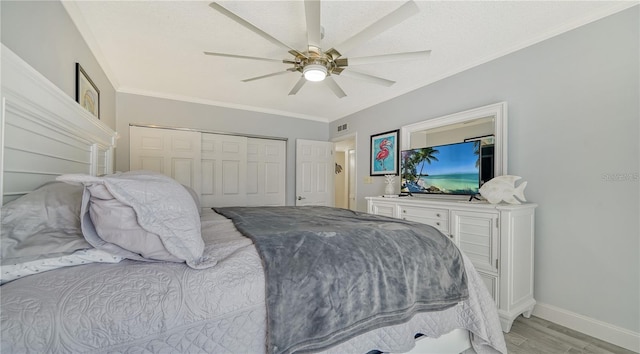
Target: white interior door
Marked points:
314	173
174	153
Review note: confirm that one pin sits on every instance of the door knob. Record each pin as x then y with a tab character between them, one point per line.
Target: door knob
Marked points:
301	197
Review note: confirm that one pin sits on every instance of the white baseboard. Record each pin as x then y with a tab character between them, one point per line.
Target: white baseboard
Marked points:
604	331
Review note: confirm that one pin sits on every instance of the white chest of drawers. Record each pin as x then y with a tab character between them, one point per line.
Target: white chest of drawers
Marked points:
498	239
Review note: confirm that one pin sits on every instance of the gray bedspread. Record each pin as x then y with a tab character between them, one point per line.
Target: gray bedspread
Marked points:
333	274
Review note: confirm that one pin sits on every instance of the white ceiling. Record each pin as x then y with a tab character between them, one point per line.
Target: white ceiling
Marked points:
156	47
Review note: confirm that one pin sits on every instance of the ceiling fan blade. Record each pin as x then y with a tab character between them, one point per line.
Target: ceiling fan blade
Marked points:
312	13
241	57
400	14
333	85
385	58
298	86
266	76
367	77
247	24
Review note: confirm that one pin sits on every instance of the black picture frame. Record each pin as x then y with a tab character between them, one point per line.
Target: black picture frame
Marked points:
87	93
384	153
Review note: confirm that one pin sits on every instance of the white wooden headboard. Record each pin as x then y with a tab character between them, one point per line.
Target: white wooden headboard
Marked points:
44	132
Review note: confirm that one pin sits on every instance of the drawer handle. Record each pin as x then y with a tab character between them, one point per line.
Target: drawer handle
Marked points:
404	211
438	223
438	215
404	218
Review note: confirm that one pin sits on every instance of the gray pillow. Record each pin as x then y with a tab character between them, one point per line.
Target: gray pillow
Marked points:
42	224
141	215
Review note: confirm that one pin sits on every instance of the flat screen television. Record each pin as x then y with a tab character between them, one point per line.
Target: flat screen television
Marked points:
444	169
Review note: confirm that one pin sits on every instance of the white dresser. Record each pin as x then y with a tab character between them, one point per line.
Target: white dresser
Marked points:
497	238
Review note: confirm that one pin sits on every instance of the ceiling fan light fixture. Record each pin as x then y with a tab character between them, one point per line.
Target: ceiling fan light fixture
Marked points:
315	72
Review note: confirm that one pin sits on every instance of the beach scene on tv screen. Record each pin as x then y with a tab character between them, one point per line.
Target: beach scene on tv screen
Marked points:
444	169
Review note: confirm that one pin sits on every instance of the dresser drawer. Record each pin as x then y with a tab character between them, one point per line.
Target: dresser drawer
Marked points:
386	209
438	218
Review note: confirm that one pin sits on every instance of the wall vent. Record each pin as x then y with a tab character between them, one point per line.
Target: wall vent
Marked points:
342	127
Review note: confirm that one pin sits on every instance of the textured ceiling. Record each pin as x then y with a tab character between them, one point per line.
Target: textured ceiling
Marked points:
156	47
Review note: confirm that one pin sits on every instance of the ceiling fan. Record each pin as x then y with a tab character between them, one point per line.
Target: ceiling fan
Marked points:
318	65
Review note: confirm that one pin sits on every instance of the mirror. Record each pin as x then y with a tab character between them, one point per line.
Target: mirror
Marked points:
486	124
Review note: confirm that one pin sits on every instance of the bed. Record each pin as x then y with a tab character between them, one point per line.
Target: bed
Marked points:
75	280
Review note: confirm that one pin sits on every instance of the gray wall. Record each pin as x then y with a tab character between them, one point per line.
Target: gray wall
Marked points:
573	135
43	35
136	109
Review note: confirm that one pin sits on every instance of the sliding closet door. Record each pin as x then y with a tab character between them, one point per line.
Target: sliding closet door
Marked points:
266	170
224	170
174	153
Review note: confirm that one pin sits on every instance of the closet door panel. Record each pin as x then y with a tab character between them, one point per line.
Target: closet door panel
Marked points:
224	173
183	171
155	164
175	153
232	174
273	178
253	184
208	171
266	172
148	142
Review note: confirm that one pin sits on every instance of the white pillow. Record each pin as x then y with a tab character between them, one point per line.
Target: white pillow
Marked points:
141	215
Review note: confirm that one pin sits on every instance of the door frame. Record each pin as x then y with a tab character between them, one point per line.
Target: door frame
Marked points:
354	137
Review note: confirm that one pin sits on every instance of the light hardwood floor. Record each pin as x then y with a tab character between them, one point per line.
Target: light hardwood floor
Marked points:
537	336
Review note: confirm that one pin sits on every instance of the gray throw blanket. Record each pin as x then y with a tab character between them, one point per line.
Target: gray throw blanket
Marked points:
333	274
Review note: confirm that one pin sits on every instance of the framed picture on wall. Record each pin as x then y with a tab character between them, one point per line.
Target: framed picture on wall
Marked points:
87	93
384	153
